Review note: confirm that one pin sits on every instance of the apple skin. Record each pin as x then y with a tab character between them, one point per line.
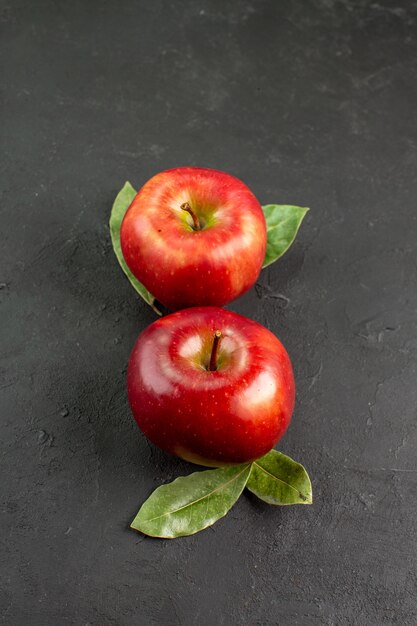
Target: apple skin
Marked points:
228	416
184	267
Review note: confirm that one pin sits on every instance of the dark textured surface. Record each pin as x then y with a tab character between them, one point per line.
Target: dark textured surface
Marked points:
308	102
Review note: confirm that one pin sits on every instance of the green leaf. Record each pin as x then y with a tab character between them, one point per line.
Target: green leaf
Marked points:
277	479
120	206
191	503
282	224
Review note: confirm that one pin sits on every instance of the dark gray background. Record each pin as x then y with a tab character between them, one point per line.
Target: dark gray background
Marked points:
311	103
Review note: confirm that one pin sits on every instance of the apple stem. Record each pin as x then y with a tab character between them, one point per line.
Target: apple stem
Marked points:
186	207
213	357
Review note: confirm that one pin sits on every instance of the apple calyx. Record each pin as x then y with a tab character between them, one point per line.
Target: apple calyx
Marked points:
185	206
214	350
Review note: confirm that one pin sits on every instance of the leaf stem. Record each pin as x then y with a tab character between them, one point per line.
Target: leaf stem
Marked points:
214	350
186	207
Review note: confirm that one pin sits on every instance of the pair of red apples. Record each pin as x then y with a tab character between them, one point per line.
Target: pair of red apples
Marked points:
204	384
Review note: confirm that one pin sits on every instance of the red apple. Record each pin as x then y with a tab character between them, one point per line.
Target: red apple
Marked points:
194	236
211	386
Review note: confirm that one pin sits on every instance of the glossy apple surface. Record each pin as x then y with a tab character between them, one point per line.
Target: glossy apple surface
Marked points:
209	259
233	414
